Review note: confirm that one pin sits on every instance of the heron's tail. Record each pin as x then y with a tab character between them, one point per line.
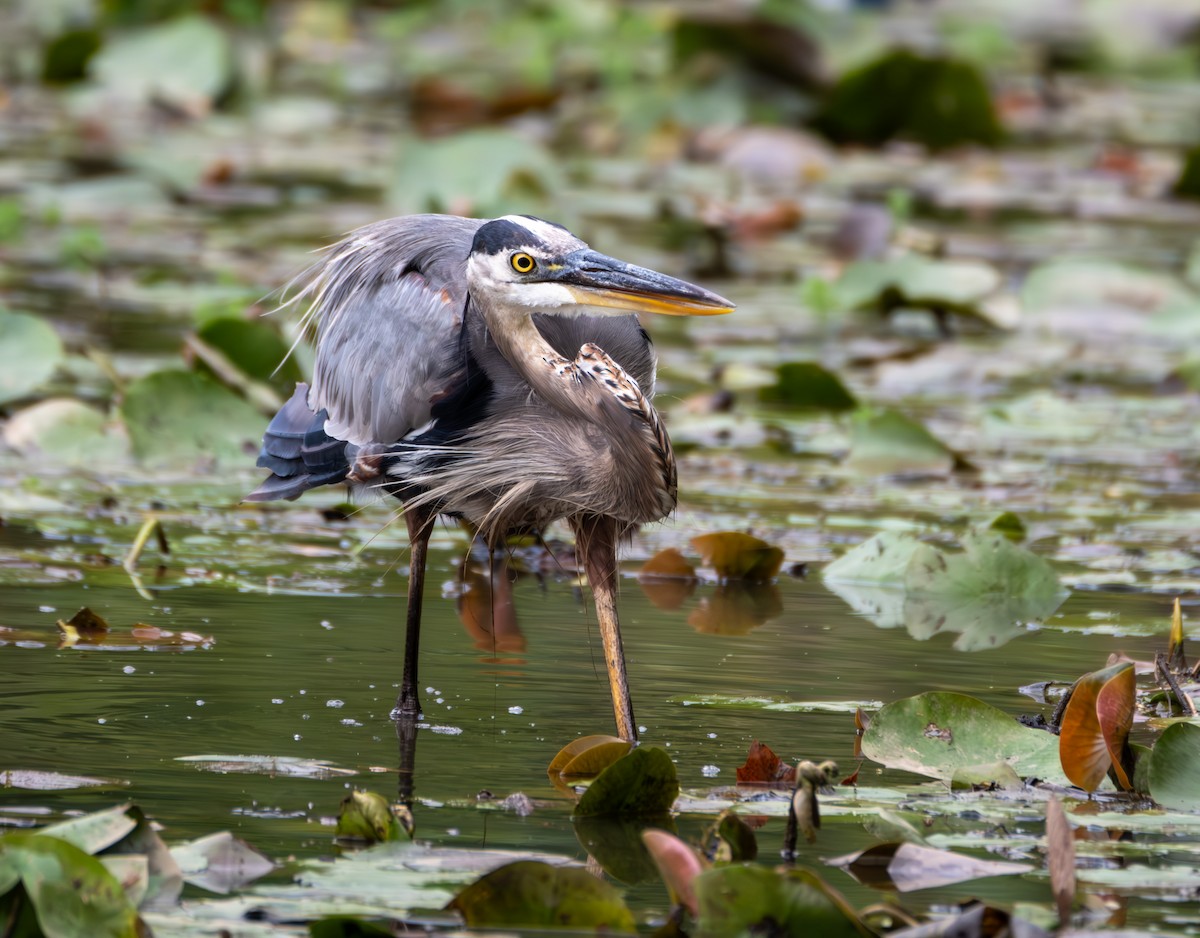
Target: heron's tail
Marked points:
298	451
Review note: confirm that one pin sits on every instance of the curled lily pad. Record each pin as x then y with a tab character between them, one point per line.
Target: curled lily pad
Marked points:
907	867
367	816
65	431
1095	728
220	862
530	894
678	865
738	556
588	756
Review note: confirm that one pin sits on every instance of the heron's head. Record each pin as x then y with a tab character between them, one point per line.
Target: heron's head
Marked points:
525	263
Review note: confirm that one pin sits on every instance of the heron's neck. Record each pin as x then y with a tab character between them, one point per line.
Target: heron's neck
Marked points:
552	377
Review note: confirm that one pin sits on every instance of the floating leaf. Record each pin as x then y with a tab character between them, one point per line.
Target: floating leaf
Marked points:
642	783
365	815
763	767
50	781
808	385
290	766
668	563
882	560
85	624
678	865
1175	767
1095	727
918	282
256	349
96	831
908	867
738	556
530	894
603	750
937	733
446	174
185	63
1009	525
72	893
220	862
989	564
181	417
67	432
937	101
885	442
616	844
748	900
1187	186
30	350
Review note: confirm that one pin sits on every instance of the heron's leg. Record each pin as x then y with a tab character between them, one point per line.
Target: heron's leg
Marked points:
420	524
596	546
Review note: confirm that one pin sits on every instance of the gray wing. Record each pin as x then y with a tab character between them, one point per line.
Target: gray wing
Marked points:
388	304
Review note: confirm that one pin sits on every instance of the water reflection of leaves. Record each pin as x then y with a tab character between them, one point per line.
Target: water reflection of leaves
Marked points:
736	607
986	621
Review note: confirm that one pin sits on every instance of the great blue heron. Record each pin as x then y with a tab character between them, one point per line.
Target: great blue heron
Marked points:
489	370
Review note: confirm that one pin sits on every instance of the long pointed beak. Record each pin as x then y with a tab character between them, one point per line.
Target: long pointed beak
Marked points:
596	279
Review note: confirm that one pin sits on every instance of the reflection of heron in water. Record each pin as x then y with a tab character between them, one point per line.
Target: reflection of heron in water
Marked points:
489	370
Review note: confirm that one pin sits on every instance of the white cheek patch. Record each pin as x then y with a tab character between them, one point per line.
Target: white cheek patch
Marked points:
542	295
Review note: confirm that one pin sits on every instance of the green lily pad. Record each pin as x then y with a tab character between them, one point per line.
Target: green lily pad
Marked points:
530	894
639	784
937	101
808	385
67	432
71	892
989	563
882	560
750	900
908	867
30	350
939	733
917	282
179	417
885	442
255	348
447	174
1174	774
186	62
220	862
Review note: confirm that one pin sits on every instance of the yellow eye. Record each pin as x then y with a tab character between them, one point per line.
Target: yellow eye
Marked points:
523	263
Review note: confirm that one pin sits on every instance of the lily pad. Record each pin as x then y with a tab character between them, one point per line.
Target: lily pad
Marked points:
641	783
937	101
366	815
71	892
1175	767
179	417
938	733
885	442
67	432
907	867
50	781
748	900
588	756
918	282
738	556
186	63
220	862
30	350
809	385
989	563
256	349
882	560
530	894
1095	728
